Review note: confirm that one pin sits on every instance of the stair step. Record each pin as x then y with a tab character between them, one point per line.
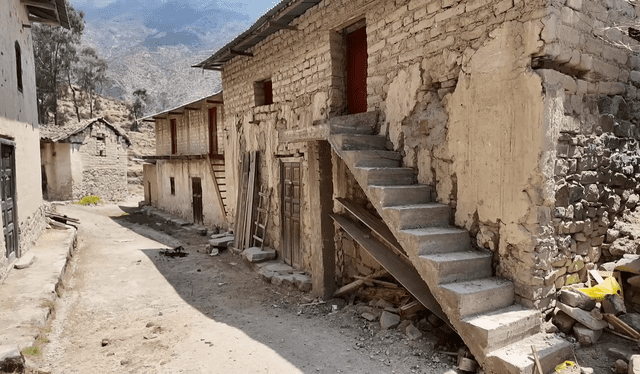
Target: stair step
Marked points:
502	327
517	358
402	195
478	296
372	158
359	142
418	215
351	121
437	239
458	266
386	176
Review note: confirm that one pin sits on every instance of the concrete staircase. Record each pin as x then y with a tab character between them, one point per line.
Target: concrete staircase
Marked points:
480	307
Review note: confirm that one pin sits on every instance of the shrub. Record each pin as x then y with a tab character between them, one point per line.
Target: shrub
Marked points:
90	200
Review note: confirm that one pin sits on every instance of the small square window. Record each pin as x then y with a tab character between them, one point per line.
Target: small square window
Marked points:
172	182
263	91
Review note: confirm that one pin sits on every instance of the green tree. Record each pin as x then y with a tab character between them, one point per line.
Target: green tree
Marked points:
91	74
55	50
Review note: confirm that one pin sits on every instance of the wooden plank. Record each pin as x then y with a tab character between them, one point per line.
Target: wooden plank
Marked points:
349	288
253	171
223	207
399	268
596	276
621	327
537	360
371	222
240	203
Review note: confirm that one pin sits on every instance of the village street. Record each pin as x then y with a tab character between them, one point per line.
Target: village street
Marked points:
126	308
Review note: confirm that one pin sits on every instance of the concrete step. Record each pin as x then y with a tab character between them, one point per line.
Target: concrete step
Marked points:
402	195
417	215
477	296
430	240
373	158
351	121
497	329
385	176
458	266
517	358
359	142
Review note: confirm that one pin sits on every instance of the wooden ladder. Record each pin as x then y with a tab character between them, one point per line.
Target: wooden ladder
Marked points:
216	163
262	216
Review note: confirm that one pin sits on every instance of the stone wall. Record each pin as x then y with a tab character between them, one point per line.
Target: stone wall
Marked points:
99	162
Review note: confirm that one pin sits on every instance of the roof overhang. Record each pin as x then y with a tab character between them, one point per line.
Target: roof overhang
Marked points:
48	12
215	98
278	18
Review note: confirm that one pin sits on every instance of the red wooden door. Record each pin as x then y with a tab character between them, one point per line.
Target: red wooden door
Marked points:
357	71
213	131
174	137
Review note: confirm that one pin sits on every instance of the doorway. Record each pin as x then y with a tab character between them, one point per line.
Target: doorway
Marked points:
196	187
357	70
8	197
213	131
174	136
291	193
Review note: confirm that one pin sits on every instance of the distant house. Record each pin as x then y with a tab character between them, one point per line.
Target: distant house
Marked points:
83	159
187	176
22	212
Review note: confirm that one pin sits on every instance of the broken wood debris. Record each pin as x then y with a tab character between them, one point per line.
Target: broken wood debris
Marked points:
175	252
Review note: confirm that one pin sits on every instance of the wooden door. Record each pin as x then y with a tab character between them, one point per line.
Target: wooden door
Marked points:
213	131
196	188
174	137
8	198
291	193
357	71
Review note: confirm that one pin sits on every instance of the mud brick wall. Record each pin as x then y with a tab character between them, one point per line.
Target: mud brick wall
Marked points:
192	131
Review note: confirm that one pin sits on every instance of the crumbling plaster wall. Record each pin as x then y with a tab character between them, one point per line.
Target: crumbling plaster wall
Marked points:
150	184
56	160
180	203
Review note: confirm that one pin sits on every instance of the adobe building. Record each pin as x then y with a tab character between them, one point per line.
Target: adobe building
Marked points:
87	158
496	140
186	176
22	213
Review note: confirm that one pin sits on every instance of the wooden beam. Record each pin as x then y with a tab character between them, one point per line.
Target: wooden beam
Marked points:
280	26
240	53
176	113
191	108
215	102
38	4
43	21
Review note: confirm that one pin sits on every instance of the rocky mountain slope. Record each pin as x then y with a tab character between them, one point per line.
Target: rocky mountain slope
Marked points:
152	45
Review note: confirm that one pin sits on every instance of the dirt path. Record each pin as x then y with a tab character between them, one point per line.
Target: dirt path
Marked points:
128	309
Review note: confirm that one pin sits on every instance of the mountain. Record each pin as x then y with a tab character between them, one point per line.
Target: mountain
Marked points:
152	44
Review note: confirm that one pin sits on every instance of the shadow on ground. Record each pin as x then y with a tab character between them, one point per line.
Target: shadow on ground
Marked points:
225	289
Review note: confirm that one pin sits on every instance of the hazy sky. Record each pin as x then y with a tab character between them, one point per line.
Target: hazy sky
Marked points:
253	8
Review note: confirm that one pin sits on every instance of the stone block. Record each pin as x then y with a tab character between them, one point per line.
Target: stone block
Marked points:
223	242
582	316
11	360
413	333
563	321
25	261
389	320
303	282
621	367
576	299
256	254
585	335
634	364
631	319
613	304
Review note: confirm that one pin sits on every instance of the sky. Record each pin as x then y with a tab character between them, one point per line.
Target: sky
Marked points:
253	8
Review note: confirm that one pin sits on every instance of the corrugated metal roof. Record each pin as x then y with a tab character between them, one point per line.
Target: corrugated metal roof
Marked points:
280	15
59	133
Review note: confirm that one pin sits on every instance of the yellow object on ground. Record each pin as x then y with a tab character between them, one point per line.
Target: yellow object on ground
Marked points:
610	286
564	365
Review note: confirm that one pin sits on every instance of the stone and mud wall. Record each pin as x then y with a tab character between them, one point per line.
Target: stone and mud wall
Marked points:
477	96
192	131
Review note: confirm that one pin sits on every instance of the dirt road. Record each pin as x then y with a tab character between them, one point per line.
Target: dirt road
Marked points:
126	308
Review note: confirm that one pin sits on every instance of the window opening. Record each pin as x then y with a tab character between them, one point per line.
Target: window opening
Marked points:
172	182
263	91
19	66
